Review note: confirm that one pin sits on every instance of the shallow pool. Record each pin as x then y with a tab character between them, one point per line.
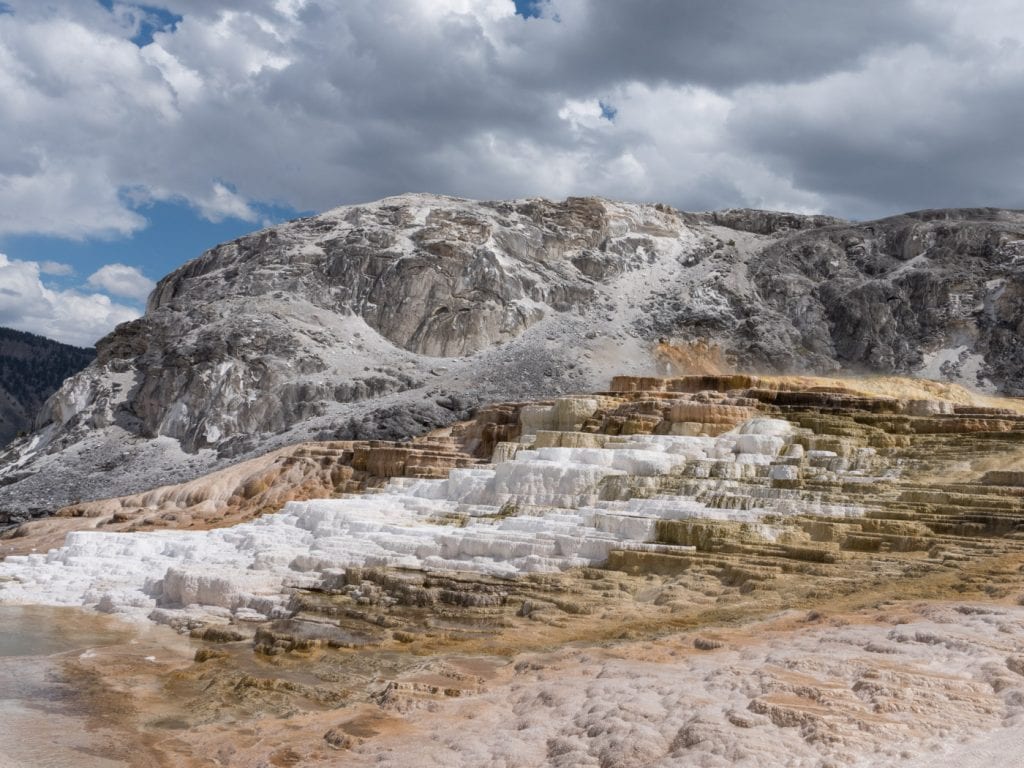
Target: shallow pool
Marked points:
42	720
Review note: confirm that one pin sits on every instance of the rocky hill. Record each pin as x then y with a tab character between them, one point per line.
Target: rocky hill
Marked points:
384	319
31	369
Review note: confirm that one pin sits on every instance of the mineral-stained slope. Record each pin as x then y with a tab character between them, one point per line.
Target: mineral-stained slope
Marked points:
384	319
709	570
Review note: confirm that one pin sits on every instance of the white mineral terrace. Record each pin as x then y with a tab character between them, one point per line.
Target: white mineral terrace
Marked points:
538	511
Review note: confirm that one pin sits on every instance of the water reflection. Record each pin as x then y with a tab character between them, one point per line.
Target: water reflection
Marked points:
41	725
33	630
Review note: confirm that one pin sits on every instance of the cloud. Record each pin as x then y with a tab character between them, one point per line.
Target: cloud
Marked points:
77	201
858	108
56	269
69	316
222	202
721	45
908	127
121	280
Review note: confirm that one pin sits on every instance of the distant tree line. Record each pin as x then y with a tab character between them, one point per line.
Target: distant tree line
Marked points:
33	367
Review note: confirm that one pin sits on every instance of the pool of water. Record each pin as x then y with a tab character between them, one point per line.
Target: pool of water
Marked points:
42	723
43	631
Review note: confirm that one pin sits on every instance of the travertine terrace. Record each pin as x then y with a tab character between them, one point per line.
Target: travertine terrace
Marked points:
676	532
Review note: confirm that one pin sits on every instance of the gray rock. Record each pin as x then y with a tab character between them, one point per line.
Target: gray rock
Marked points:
385	319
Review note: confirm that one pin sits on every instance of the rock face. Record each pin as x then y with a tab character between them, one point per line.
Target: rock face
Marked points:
31	369
936	293
385	319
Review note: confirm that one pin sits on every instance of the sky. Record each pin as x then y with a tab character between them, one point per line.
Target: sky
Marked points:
133	137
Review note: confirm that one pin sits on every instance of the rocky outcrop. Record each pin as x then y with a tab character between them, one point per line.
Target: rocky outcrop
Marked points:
388	319
937	293
768	222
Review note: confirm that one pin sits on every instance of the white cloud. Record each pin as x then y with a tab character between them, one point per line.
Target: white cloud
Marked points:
121	280
77	201
56	268
70	316
315	104
221	202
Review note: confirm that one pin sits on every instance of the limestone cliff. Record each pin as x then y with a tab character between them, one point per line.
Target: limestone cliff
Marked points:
384	319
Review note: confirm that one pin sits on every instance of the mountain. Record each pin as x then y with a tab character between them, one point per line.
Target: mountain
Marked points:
31	369
385	319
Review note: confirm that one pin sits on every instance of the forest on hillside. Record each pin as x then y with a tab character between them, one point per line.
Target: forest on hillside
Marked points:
32	367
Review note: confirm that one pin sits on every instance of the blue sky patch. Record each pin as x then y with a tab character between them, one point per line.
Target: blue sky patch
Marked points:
155	20
175	235
528	9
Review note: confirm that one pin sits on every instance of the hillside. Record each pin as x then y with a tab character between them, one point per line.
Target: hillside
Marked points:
386	319
31	369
